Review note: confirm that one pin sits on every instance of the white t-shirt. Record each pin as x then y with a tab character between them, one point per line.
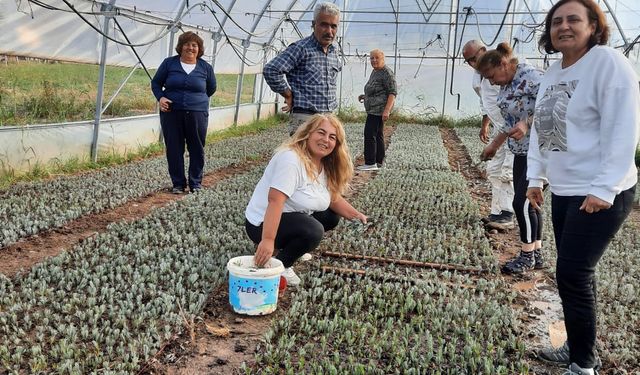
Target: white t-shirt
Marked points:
586	127
286	173
188	68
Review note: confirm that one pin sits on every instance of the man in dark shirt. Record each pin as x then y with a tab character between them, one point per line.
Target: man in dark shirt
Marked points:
311	67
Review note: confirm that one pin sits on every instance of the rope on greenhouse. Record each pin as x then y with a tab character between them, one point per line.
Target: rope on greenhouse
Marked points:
413	263
160	36
295	26
51	7
249	33
424	51
504	18
534	28
233	46
464	26
631	45
132	48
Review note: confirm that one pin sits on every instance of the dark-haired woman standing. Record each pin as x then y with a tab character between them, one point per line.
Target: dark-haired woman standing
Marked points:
583	142
183	85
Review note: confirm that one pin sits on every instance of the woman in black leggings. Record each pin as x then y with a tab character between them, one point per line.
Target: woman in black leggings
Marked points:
583	143
516	99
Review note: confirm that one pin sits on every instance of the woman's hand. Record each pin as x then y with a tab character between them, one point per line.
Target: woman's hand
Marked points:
519	130
165	104
361	98
263	252
343	208
593	204
535	197
489	152
484	133
270	225
361	217
385	115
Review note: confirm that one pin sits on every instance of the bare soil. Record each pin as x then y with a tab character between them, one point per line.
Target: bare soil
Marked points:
219	341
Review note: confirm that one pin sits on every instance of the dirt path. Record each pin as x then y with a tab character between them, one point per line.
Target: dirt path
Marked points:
29	251
539	305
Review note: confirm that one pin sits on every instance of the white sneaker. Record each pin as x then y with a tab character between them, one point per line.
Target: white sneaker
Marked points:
367	167
574	369
292	278
306	257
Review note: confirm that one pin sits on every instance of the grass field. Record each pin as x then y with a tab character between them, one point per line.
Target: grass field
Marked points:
35	93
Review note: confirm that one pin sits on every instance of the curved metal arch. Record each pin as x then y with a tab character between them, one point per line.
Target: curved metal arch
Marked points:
309	7
615	19
217	36
245	45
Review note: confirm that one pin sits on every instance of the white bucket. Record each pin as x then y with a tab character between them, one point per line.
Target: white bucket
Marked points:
252	290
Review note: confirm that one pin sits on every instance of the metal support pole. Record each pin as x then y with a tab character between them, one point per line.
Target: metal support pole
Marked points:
513	18
101	74
217	36
245	44
124	82
344	8
261	84
172	34
395	48
239	83
453	19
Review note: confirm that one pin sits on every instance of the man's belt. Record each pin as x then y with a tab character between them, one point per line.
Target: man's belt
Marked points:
303	111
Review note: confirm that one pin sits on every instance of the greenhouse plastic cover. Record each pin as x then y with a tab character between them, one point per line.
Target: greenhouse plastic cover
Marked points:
429	35
422	41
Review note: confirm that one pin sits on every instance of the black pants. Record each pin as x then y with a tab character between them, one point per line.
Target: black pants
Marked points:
373	140
529	219
298	233
179	127
581	239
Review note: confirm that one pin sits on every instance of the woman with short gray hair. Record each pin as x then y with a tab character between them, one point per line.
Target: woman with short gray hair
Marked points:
379	96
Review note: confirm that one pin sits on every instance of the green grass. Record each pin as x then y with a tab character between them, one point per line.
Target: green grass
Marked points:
76	165
34	92
250	128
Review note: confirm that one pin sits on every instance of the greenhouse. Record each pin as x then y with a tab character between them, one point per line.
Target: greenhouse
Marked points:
105	269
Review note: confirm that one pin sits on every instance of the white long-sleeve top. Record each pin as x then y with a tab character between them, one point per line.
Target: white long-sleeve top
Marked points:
586	127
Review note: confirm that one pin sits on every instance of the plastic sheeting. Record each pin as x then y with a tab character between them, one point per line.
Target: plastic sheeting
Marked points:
421	38
23	147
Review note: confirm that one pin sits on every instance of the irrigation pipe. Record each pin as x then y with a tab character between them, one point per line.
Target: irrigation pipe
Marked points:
412	263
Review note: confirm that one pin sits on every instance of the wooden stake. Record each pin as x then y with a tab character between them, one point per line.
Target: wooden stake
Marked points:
413	263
